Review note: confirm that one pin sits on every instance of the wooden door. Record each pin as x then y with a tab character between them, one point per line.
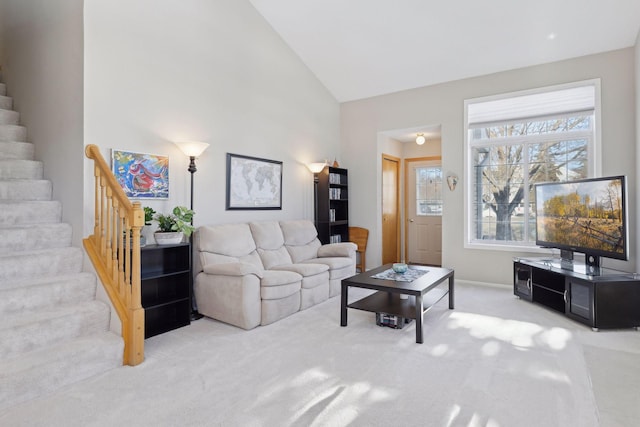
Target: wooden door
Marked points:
390	209
423	191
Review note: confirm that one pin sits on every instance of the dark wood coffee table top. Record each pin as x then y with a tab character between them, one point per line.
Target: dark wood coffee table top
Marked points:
433	277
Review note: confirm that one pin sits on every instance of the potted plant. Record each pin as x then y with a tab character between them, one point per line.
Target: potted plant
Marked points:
148	215
174	226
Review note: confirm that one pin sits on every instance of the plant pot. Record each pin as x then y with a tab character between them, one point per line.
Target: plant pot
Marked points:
143	241
168	237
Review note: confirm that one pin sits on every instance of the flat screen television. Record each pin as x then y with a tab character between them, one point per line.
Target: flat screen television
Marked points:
587	216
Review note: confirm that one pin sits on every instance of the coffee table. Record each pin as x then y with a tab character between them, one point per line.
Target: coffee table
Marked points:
422	293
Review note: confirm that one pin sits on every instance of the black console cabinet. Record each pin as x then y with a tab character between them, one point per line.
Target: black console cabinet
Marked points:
165	273
597	297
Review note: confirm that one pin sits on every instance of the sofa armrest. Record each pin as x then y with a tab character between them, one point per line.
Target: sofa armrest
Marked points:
344	249
233	269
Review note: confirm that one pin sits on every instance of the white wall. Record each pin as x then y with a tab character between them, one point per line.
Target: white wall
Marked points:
637	81
41	57
362	120
158	71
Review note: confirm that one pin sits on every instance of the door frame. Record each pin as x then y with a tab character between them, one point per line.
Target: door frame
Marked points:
400	215
407	164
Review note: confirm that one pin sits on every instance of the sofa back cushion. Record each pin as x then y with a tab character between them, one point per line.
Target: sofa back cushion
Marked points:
270	243
300	239
224	243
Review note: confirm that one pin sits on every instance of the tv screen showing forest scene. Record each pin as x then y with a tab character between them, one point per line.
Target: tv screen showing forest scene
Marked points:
587	216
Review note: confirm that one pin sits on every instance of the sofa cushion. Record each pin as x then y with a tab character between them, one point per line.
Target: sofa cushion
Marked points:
233	269
333	263
279	284
304	269
269	240
272	278
302	253
208	258
267	234
233	240
274	258
298	232
300	239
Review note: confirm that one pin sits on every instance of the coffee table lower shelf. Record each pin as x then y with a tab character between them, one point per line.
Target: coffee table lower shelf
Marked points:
391	303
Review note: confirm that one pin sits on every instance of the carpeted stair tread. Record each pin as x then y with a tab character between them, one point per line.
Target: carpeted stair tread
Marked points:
9	117
33	329
46	262
42	292
53	331
18	238
20	169
16	150
25	189
6	102
19	212
40	372
13	133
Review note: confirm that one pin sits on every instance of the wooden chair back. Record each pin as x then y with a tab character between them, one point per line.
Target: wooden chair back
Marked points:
359	236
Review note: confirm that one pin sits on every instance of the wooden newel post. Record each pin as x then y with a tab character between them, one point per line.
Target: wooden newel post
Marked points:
136	312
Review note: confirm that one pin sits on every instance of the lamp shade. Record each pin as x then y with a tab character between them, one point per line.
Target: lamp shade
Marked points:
316	167
192	148
420	139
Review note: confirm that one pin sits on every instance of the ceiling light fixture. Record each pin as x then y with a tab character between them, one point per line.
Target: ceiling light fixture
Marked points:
420	139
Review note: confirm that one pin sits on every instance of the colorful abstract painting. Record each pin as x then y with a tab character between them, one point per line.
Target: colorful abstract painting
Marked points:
141	176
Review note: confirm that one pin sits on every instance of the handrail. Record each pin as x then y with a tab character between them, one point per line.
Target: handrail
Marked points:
116	258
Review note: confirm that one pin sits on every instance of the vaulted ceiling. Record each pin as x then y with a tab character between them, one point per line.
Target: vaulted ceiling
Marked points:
364	48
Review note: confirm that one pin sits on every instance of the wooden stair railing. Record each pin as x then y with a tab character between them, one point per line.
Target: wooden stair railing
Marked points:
115	257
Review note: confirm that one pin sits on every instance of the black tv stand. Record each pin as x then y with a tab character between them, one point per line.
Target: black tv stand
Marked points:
596	296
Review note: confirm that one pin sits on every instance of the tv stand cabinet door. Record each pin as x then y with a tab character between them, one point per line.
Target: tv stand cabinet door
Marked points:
617	304
580	301
522	281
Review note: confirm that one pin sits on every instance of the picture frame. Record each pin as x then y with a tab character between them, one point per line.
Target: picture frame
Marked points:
253	183
141	175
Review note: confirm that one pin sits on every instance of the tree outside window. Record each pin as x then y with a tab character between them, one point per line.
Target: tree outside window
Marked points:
507	159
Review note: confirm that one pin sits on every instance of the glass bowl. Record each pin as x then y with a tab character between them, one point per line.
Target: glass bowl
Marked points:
399	267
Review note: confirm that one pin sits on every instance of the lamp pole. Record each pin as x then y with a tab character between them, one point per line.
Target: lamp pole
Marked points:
195	315
192	169
192	149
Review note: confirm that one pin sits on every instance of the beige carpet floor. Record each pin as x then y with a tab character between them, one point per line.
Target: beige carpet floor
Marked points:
493	361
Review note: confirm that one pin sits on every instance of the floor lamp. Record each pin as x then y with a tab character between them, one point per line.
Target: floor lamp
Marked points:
315	168
192	149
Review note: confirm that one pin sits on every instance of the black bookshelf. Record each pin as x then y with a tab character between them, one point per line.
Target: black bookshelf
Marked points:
165	273
332	205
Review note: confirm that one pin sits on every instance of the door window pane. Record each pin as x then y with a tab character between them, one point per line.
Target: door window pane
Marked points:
428	191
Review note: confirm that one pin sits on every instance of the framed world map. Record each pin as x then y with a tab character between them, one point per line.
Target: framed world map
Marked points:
253	183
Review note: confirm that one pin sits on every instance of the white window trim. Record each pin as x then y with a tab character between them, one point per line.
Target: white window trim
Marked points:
594	166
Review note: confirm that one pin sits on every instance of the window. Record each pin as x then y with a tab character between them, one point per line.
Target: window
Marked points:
515	141
429	191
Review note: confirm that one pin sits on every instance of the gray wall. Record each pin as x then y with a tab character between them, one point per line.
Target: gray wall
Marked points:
158	71
363	120
41	57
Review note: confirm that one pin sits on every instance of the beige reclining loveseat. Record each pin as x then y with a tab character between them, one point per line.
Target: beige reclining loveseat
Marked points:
251	274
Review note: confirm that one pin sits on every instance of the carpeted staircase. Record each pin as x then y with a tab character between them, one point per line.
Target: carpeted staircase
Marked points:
53	331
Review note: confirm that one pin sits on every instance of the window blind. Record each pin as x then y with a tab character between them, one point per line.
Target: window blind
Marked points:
571	100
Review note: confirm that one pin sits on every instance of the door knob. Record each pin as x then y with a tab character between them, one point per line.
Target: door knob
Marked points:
410	220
